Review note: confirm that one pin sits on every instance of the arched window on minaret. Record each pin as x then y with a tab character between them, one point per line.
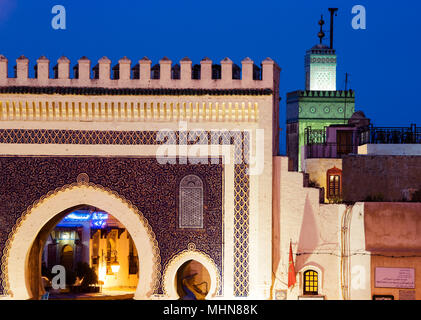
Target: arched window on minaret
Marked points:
191	203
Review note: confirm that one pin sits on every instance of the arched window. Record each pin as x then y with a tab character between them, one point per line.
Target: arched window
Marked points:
334	183
191	202
311	283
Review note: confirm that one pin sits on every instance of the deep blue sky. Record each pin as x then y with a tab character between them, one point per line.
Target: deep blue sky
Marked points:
383	60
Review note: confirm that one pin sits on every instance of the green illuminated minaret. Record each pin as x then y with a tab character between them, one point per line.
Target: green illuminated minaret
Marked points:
320	104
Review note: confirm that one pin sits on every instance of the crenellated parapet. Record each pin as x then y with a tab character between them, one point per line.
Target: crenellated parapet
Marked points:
340	94
143	74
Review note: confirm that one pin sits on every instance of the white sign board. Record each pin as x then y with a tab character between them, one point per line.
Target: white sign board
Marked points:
403	278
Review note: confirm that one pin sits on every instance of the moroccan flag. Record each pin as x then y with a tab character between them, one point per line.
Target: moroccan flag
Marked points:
291	270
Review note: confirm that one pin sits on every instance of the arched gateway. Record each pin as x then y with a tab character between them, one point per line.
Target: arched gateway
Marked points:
17	274
140	137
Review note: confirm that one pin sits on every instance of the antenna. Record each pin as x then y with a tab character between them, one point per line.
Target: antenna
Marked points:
332	13
346	92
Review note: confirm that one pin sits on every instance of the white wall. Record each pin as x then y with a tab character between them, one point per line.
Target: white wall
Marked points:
390	149
315	232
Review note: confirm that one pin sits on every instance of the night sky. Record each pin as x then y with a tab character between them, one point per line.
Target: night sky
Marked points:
383	61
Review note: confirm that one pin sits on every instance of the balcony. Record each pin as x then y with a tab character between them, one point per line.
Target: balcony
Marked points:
391	135
337	141
334	141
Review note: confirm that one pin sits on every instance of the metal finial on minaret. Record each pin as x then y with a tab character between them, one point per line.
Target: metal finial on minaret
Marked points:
332	13
321	34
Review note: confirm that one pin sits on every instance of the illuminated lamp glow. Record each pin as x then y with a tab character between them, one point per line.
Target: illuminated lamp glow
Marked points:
115	267
99	219
99	216
74	216
99	223
102	272
80	216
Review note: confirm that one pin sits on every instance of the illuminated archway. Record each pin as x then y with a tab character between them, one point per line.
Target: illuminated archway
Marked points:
20	242
177	261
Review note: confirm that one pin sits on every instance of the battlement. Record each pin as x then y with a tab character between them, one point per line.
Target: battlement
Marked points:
319	93
165	74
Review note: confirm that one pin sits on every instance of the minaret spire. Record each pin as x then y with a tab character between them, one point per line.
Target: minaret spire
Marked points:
321	34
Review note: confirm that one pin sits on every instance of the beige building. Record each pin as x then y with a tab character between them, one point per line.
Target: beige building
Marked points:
180	155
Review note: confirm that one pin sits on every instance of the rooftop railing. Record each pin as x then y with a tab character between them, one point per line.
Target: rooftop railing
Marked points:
391	135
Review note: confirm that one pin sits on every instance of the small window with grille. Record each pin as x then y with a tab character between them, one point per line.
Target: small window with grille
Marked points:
311	283
191	203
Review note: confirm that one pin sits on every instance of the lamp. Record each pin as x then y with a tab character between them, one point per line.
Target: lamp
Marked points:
115	266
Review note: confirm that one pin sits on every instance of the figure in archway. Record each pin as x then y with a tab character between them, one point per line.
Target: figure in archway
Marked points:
193	281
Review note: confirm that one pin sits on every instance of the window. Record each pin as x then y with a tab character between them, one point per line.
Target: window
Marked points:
334	183
334	186
311	283
191	202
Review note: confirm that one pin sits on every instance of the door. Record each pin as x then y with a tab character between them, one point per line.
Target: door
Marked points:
67	257
344	142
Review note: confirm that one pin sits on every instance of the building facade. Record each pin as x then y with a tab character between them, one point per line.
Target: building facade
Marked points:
174	157
185	158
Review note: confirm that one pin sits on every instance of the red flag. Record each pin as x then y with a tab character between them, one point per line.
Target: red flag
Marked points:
291	269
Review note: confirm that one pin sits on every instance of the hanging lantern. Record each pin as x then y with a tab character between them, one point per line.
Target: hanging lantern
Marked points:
115	267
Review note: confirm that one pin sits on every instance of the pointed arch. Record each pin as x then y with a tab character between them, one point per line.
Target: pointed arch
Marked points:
170	271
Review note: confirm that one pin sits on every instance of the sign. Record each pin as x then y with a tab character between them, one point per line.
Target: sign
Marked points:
380	297
403	278
407	295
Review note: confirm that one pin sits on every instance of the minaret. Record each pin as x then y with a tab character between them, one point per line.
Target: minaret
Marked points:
320	65
310	111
